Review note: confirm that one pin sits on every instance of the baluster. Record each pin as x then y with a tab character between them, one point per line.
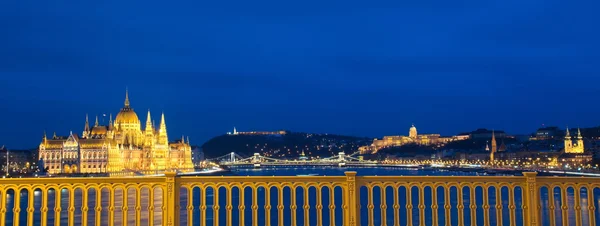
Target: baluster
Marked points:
138	206
551	205
57	205
71	209
421	205
409	206
331	205
203	206
16	207
84	206
511	205
591	205
473	205
190	205
229	206
125	206
370	204
268	206
280	205
30	205
434	206
460	206
383	206
216	206
396	206
151	205
255	205
447	205
306	206
565	207
293	205
3	207
577	207
486	205
98	207
319	206
111	206
44	207
241	206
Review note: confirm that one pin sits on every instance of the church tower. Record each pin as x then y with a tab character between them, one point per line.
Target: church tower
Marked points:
568	142
494	146
579	141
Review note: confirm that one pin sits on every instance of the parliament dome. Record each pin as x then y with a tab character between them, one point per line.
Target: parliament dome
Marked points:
126	115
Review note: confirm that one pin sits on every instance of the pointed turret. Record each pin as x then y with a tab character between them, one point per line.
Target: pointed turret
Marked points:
568	134
54	136
502	146
44	138
494	145
162	131
96	124
149	123
182	139
579	134
188	140
110	122
126	97
86	129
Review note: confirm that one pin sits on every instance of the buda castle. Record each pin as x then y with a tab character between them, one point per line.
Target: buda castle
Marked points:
120	146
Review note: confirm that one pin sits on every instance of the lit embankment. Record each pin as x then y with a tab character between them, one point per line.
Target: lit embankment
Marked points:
301	200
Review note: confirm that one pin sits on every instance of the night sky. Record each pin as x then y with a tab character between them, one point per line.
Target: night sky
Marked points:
368	68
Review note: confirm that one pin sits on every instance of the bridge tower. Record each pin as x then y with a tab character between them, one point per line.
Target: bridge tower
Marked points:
341	156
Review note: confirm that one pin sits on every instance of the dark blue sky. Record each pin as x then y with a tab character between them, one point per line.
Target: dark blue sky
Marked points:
368	68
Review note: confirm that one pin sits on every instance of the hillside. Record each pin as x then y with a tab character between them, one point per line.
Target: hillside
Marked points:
289	145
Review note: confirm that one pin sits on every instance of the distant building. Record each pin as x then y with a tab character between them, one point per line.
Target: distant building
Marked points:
546	133
412	138
121	145
571	147
235	132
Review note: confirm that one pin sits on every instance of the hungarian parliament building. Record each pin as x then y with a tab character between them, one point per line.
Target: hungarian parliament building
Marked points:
120	146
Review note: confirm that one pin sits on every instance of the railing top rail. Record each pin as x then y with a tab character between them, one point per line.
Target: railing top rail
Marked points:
263	179
440	179
95	180
576	180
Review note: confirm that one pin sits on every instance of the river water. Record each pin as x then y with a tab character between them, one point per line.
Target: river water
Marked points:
291	171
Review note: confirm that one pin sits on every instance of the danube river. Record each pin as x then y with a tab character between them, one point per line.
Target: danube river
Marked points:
321	171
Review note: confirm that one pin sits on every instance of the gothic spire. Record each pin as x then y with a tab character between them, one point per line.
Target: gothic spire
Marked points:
126	98
568	134
579	134
162	131
96	124
149	122
110	122
87	124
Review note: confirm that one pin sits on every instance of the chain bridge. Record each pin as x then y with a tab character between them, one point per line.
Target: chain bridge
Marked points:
257	160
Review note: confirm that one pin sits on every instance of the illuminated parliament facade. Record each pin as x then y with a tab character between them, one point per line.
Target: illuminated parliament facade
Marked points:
120	146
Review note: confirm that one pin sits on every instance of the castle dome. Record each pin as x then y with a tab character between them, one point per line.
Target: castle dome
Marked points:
126	115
